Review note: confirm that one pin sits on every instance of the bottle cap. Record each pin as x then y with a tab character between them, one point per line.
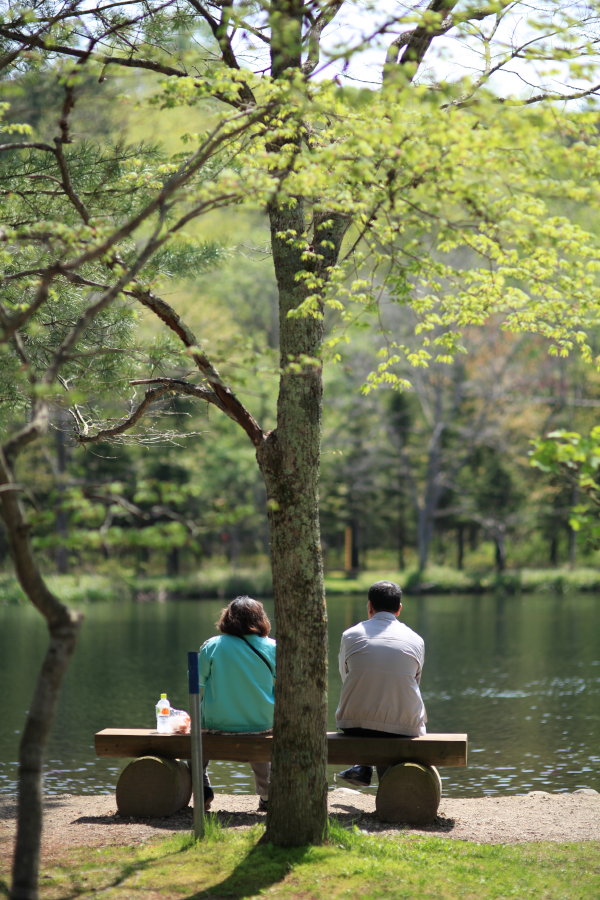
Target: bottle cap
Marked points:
163	696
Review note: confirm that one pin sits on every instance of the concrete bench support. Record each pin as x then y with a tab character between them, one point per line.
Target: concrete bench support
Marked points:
153	786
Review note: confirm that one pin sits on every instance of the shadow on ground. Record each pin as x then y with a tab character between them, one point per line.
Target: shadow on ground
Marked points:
263	867
346	816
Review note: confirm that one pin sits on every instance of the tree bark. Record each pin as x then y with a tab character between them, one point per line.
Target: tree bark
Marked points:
299	779
289	461
63	626
26	862
499	550
460	547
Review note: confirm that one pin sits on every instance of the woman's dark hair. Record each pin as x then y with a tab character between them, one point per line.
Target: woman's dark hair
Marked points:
244	616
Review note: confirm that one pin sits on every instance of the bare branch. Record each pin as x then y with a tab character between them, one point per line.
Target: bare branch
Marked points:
125	425
229	403
166	386
26	145
552	95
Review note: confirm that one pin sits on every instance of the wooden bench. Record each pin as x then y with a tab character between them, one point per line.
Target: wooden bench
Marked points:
410	790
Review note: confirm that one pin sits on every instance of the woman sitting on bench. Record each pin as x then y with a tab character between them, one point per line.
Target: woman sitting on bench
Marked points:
237	672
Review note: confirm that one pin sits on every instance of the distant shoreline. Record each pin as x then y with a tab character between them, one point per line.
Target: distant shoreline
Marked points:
226	583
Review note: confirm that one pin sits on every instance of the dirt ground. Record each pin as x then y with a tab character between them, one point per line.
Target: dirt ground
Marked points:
72	821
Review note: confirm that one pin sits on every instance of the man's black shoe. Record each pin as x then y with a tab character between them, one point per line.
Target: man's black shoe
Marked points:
263	805
358	775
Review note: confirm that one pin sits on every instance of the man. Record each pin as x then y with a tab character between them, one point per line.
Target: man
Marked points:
380	663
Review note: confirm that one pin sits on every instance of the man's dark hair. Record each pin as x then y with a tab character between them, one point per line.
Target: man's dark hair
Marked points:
244	616
385	596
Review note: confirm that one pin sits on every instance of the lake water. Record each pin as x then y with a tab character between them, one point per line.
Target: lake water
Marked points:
520	675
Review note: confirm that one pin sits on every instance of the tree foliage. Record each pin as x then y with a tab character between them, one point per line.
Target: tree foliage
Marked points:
575	459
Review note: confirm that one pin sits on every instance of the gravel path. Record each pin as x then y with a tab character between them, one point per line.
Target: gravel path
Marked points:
72	821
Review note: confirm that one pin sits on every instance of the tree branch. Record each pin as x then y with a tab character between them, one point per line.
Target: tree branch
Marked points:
220	135
59	142
221	35
229	403
40	43
11	324
126	424
312	38
417	41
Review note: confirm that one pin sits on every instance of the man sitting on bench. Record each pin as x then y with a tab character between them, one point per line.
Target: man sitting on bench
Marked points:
380	662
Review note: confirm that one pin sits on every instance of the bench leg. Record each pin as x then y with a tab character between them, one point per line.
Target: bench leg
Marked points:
409	792
152	786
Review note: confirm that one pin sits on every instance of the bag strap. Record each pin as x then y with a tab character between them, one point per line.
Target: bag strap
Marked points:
258	653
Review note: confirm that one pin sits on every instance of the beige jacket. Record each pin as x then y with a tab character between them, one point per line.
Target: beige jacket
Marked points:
380	663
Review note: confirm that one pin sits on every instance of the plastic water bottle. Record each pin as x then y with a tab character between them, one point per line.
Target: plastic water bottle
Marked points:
163	713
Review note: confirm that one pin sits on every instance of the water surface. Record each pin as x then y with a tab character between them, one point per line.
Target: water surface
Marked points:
520	675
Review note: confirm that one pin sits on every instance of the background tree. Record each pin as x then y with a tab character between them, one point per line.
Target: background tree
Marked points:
575	460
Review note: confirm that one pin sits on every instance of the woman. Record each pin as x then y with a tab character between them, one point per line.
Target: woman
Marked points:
237	672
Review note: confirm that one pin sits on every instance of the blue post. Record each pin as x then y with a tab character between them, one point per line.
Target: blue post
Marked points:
196	740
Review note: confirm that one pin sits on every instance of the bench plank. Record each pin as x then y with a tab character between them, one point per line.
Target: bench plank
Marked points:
429	749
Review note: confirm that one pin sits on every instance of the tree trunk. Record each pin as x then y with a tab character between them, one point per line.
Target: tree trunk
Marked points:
433	492
424	535
499	551
299	780
26	861
572	535
460	547
553	550
401	532
289	462
173	562
63	626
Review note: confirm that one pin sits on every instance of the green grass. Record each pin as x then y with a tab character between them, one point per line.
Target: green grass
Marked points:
445	579
223	582
350	865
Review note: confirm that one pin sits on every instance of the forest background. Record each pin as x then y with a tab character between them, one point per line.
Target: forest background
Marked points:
431	471
401	220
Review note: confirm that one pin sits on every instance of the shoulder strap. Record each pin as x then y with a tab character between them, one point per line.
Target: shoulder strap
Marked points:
258	653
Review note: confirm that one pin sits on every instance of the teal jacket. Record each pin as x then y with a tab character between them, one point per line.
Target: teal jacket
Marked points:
239	689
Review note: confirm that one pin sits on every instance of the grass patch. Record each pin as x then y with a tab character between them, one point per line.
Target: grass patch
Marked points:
446	580
222	582
350	865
